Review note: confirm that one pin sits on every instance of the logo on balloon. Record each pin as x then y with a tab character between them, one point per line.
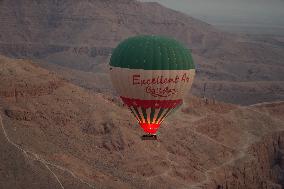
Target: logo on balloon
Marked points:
160	92
154	86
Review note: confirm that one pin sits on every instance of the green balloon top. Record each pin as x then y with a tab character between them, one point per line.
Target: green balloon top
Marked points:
151	53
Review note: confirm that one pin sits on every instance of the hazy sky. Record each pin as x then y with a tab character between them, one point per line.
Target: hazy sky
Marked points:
261	13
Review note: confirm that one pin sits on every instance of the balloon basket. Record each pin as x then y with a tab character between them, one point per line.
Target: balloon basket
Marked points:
149	137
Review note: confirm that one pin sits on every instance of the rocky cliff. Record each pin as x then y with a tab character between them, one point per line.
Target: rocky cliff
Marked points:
75	138
80	35
11	88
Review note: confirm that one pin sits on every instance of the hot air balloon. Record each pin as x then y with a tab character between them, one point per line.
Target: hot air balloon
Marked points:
151	74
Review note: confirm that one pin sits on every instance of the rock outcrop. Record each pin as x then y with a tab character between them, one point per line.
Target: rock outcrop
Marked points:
29	83
78	139
80	35
259	168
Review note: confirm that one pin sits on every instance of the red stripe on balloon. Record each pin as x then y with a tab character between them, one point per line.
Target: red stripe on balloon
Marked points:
151	103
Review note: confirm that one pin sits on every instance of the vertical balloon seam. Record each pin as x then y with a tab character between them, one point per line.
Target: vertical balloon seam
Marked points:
120	61
152	73
169	74
185	61
163	64
157	110
148	112
159	115
137	112
131	110
141	114
152	114
144	114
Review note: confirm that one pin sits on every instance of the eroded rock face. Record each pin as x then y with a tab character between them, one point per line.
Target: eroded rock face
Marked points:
98	25
79	36
81	139
19	115
259	167
17	81
36	90
41	50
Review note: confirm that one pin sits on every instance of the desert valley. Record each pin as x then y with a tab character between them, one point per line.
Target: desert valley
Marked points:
62	125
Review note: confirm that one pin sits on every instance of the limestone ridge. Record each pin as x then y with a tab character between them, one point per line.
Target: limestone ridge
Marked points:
80	35
18	81
47	27
78	139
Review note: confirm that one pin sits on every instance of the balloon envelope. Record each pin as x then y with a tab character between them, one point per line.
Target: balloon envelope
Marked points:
151	75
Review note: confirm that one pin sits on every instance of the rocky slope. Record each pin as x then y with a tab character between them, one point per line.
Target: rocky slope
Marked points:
91	28
78	36
70	137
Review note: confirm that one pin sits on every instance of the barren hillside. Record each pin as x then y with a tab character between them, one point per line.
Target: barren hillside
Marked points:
78	36
55	134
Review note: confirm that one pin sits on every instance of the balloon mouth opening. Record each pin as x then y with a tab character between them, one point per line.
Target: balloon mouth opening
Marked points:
150	128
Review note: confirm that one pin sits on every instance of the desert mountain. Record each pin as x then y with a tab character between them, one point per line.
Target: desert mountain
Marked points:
54	134
70	36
